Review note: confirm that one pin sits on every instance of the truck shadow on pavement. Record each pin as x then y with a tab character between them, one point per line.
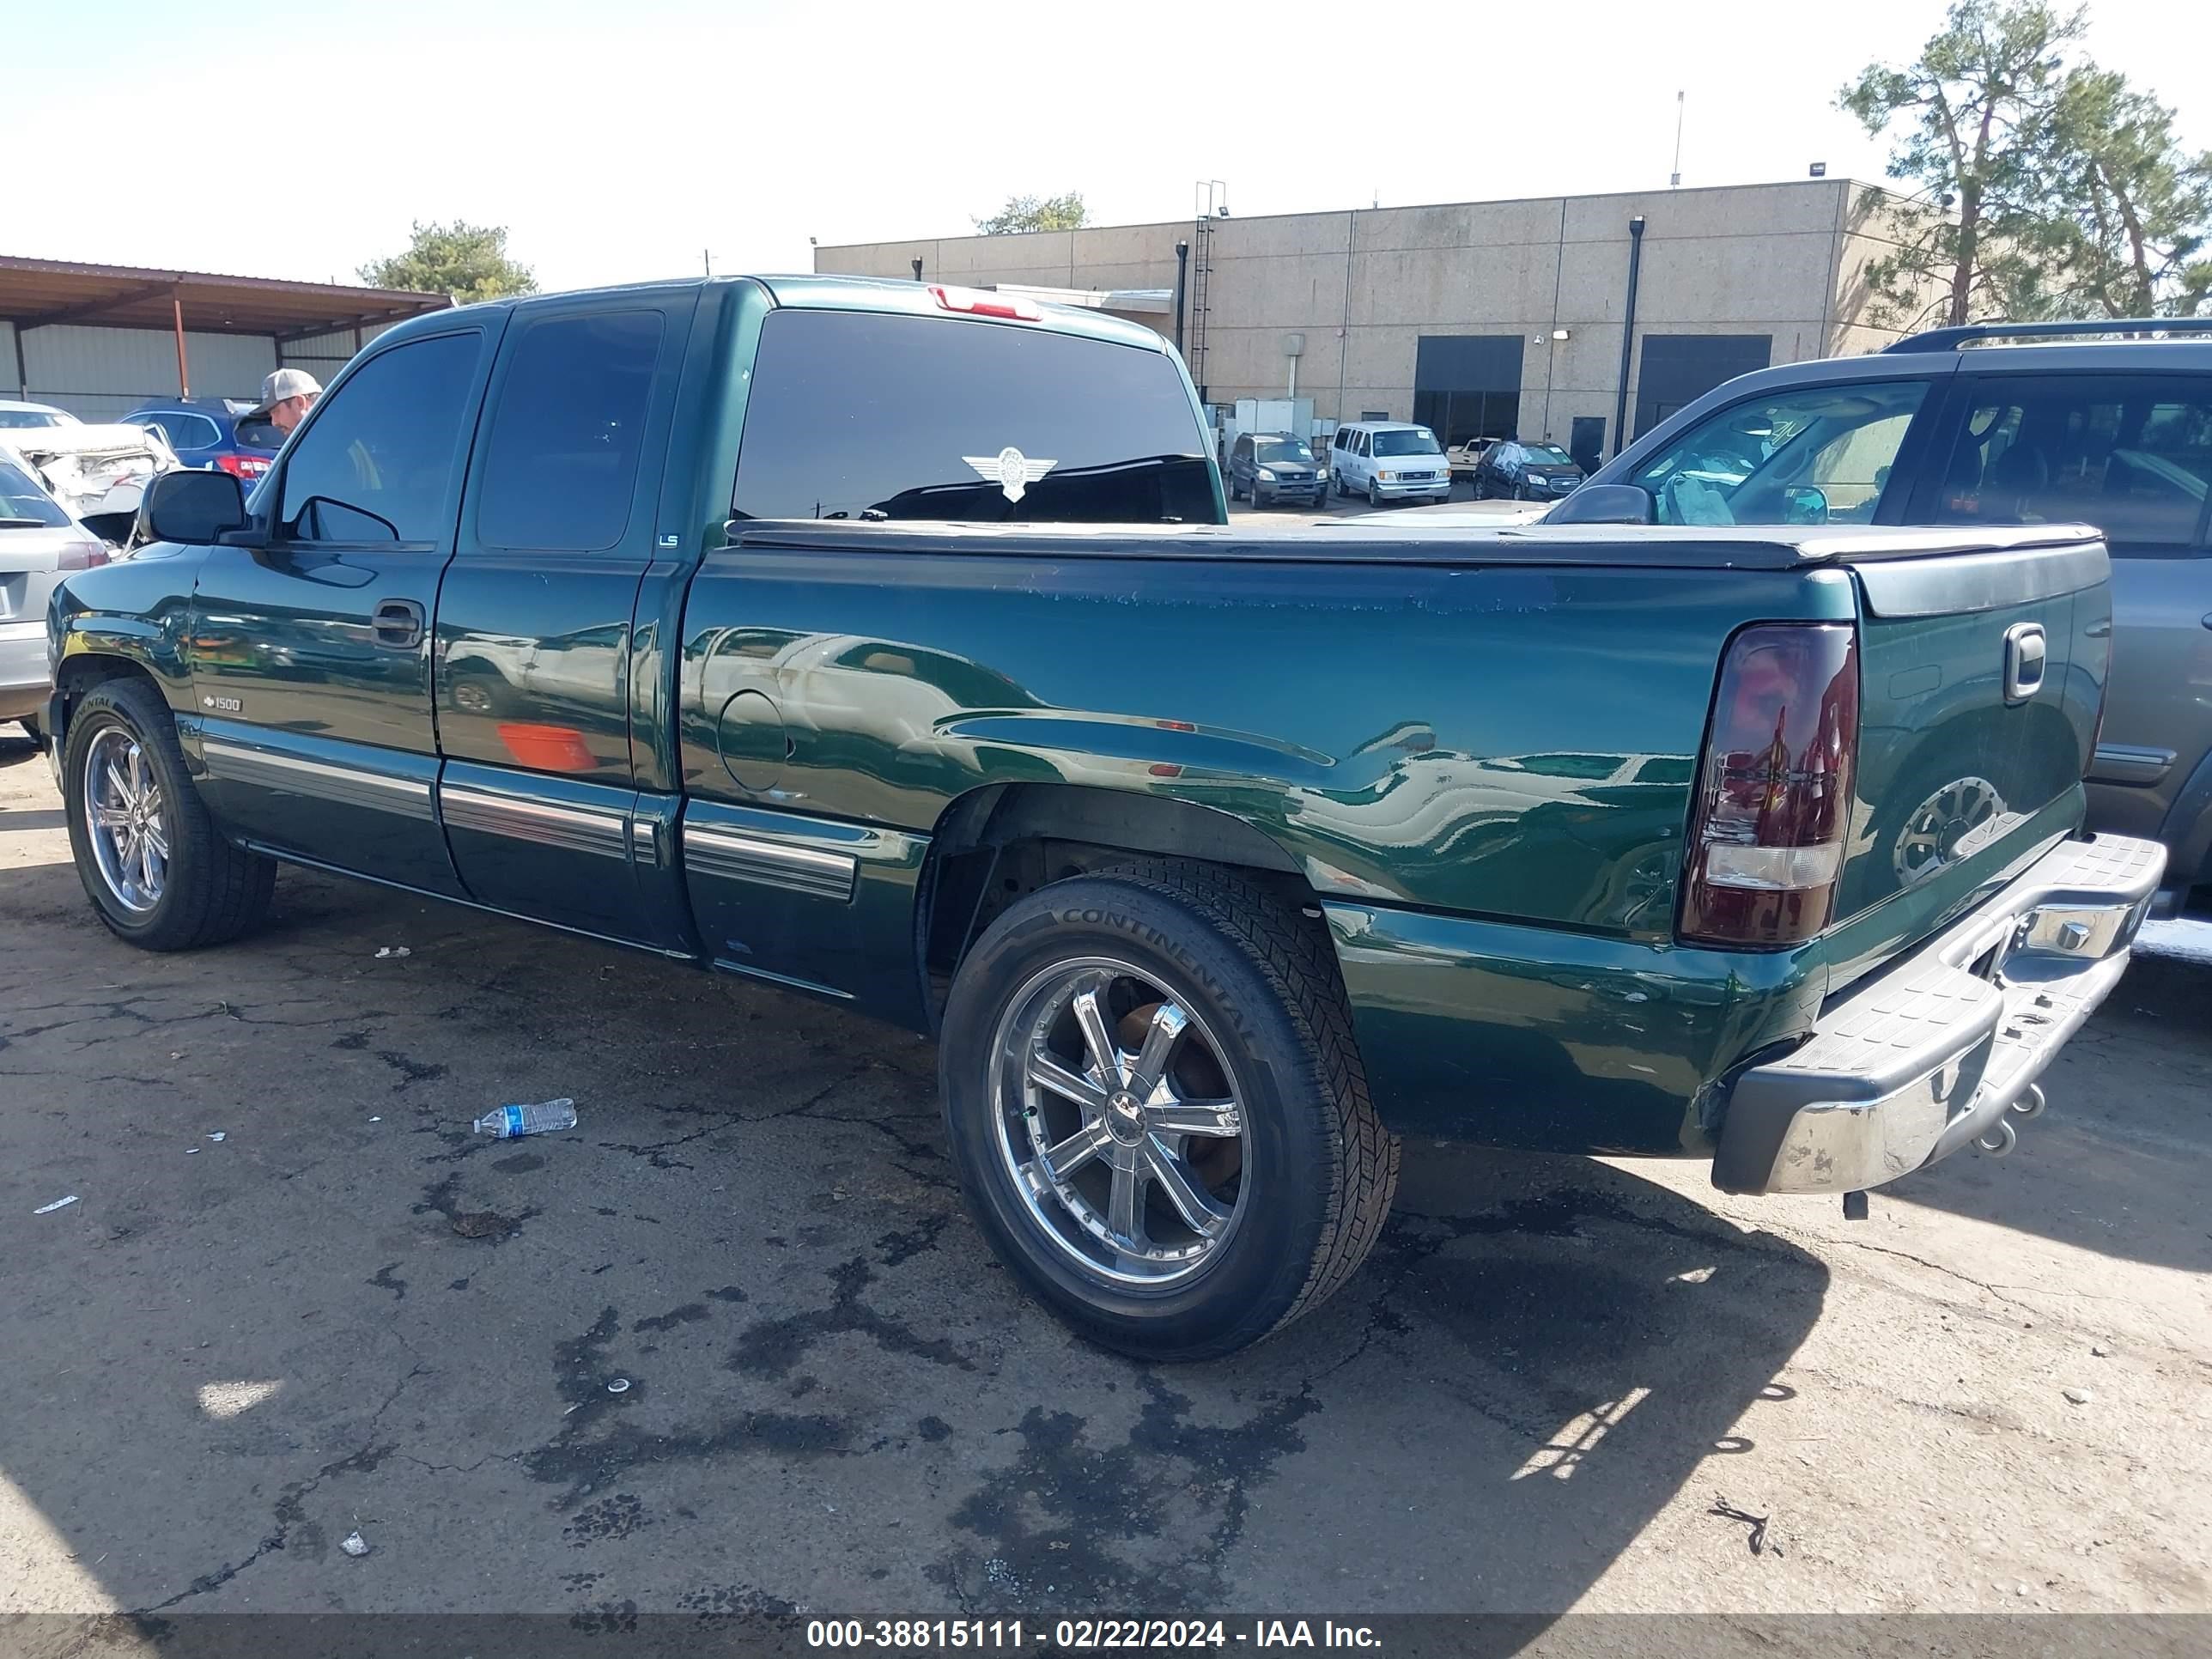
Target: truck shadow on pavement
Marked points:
349	1314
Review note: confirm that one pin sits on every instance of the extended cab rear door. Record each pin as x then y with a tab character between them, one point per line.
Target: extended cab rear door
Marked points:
535	619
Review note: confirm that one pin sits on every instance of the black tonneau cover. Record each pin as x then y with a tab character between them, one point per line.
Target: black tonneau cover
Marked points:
2076	554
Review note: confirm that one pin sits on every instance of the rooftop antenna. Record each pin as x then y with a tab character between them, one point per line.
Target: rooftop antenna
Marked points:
1674	179
707	259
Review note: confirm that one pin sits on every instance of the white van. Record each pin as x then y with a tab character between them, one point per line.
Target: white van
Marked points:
1389	461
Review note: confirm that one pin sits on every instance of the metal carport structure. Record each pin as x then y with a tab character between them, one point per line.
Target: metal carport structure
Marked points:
96	339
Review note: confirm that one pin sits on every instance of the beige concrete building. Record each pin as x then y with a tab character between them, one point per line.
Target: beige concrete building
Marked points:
1478	317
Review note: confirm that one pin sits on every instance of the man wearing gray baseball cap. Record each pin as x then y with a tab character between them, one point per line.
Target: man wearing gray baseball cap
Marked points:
285	397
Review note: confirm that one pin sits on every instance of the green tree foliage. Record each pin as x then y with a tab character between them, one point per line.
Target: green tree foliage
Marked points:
466	261
1036	213
1972	121
2129	236
2037	183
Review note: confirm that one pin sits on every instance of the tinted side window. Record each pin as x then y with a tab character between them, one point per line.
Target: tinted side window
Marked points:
1807	455
183	431
560	465
856	415
384	446
2132	455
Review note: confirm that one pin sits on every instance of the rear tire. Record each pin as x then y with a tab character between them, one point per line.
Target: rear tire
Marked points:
197	890
1295	1198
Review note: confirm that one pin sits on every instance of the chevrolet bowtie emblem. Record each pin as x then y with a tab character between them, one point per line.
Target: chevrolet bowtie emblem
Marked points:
1011	470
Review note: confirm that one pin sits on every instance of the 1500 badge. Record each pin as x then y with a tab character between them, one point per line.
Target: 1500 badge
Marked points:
223	705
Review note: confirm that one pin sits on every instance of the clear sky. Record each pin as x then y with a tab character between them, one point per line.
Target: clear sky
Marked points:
623	138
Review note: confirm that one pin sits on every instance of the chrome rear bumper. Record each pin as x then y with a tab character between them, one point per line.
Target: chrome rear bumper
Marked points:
1909	1068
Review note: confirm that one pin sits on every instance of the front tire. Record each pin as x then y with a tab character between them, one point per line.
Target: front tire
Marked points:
155	868
1159	1112
1374	495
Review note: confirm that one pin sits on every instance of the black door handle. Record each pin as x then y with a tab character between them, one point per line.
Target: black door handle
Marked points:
398	622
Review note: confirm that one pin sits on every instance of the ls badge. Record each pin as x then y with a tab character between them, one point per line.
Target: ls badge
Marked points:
1011	470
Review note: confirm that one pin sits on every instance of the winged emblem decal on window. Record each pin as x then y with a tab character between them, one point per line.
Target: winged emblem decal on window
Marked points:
1011	470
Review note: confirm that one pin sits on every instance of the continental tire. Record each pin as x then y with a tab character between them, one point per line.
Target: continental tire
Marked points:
1159	1112
152	862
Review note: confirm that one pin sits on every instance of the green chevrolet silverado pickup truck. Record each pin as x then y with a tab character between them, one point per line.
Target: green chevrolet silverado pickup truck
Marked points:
886	643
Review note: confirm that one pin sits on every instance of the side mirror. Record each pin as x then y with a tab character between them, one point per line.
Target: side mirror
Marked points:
194	509
1606	504
1806	505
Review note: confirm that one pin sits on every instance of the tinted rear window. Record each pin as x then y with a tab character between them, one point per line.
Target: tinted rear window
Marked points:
2132	455
562	464
857	416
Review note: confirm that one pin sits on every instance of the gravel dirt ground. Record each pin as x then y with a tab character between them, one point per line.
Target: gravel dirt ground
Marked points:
296	1299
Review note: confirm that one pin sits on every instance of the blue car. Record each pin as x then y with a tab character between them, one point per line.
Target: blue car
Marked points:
213	432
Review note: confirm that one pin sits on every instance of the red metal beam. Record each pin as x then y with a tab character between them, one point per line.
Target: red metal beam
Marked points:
184	373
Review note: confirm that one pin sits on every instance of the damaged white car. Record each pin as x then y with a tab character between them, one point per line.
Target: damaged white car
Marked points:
98	473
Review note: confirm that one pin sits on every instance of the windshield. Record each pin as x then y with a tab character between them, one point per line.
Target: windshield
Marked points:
1268	451
26	417
1548	455
23	503
1411	441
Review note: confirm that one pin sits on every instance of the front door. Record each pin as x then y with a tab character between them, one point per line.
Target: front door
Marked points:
310	643
534	621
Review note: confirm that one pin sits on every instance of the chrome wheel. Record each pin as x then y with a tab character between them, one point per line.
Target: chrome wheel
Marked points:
1935	829
126	820
1119	1122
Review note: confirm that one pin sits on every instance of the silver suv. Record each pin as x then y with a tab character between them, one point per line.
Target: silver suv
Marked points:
2102	423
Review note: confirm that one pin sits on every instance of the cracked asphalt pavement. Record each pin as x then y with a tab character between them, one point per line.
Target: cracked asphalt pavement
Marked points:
1560	1384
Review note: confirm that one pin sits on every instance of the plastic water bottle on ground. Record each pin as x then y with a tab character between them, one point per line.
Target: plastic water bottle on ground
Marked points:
544	1118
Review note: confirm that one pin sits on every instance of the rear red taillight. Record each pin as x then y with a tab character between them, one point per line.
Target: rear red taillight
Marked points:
248	467
82	556
973	302
1773	801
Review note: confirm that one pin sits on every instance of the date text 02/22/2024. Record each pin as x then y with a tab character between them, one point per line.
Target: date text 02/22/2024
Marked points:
1082	1635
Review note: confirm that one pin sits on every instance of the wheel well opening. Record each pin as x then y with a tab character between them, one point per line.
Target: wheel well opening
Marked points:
996	846
78	675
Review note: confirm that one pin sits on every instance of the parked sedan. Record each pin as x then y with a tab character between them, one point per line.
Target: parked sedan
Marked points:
1526	472
1273	466
38	542
213	432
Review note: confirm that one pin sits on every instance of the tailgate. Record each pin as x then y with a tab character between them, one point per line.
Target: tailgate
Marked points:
1981	677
